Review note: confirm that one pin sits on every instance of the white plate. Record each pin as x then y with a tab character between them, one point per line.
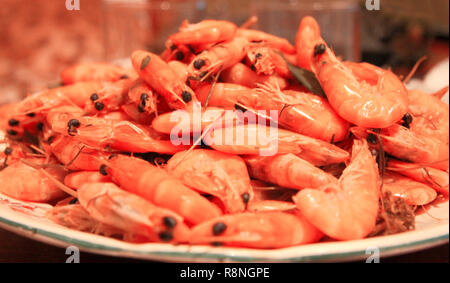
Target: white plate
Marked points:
27	219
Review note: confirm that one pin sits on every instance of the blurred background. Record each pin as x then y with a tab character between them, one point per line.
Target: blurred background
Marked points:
40	38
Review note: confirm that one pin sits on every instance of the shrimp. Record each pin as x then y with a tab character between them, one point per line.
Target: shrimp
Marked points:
74	216
430	115
414	193
142	95
300	112
347	210
73	154
287	170
108	204
405	144
437	179
219	174
77	179
162	78
119	135
77	94
308	32
243	75
266	61
204	32
219	57
157	186
254	139
262	230
109	98
378	102
92	72
24	182
268	39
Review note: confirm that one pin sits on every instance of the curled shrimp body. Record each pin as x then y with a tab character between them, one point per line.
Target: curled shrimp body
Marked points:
162	78
92	72
243	75
219	174
347	210
378	102
287	170
204	32
262	230
107	203
157	186
23	182
268	39
437	179
413	192
218	57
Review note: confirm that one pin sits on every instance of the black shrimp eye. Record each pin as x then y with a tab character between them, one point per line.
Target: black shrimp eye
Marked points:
186	96
73	123
239	108
179	56
8	151
371	138
99	106
123	77
407	120
112	156
219	228
12	132
40	126
245	197
144	97
13	122
258	56
102	170
319	49
169	222
50	139
141	109
199	63
31	114
166	236
94	97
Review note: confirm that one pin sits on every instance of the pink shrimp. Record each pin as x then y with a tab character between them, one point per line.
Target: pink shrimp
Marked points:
24	182
287	170
218	57
437	179
257	139
109	98
414	193
377	102
219	174
157	186
162	78
143	96
77	179
261	230
92	72
269	39
107	203
204	32
243	75
266	61
347	210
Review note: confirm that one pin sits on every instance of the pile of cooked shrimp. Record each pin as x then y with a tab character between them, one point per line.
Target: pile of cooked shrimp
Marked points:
353	145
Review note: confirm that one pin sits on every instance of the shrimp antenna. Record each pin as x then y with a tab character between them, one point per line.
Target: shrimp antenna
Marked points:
251	21
60	185
440	93
414	69
216	78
